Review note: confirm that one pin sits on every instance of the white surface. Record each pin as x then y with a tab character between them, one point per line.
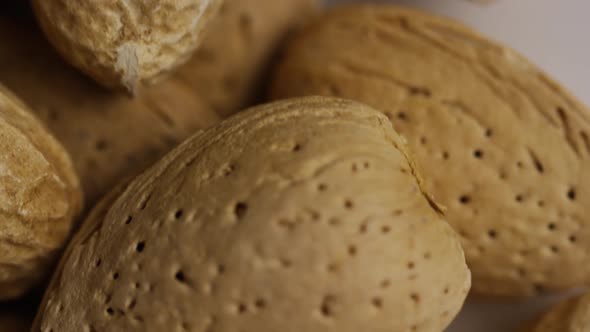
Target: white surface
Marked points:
554	34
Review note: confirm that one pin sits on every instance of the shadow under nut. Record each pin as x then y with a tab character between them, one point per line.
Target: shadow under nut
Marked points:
572	315
13	322
302	211
230	68
501	145
40	197
121	44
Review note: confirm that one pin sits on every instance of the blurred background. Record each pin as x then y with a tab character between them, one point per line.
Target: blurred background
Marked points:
554	34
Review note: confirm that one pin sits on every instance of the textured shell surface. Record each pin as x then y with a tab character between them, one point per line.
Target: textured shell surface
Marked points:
239	49
306	211
111	136
40	196
122	43
501	145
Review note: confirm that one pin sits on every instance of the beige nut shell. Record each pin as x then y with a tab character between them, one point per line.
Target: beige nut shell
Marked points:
109	136
232	64
39	198
502	146
303	215
122	43
112	137
572	315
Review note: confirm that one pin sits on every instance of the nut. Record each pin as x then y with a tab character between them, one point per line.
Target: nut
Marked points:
502	145
230	67
39	198
111	137
123	43
303	210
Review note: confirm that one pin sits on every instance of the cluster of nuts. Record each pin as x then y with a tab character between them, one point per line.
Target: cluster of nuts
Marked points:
395	162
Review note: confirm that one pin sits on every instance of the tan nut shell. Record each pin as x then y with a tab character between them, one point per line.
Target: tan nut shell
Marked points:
502	146
39	198
572	315
239	47
122	43
111	137
302	215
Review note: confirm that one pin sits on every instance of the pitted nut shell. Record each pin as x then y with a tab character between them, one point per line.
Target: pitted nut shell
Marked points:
302	215
501	145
